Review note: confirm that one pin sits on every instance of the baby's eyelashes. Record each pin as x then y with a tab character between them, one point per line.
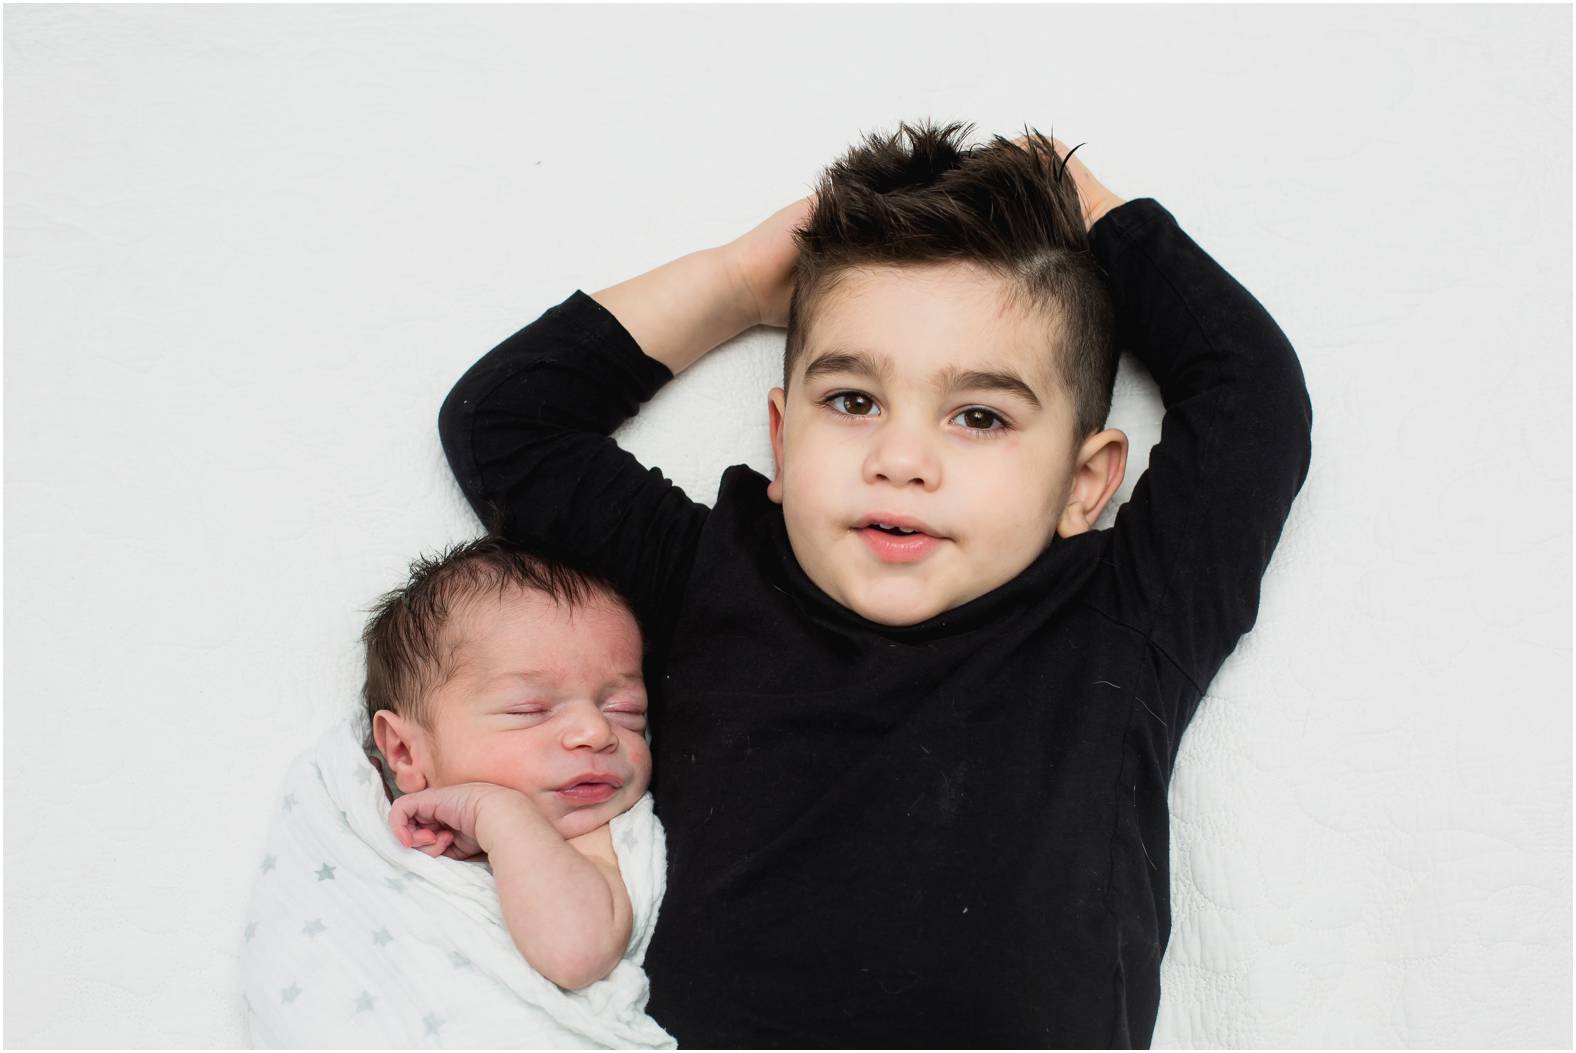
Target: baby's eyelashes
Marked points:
628	715
530	710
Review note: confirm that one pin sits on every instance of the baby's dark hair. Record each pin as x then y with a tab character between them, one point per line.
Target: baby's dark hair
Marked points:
408	655
1010	210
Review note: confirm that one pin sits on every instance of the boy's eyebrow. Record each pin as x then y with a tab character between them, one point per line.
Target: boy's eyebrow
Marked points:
879	367
860	363
954	379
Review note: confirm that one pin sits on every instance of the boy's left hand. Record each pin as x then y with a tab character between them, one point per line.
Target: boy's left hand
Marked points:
1093	196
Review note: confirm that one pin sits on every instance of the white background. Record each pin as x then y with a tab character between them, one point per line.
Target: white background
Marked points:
249	249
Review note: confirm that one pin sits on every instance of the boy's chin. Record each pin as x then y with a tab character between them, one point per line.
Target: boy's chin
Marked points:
897	608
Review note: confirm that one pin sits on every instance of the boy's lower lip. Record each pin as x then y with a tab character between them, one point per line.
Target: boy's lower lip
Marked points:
896	548
588	792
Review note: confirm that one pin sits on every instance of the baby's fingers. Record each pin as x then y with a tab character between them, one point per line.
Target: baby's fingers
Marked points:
407	821
433	844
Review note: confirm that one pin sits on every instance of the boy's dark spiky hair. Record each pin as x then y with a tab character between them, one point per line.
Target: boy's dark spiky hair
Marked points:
919	196
408	654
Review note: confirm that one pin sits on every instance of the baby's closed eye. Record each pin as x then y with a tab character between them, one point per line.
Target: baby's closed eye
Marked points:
626	713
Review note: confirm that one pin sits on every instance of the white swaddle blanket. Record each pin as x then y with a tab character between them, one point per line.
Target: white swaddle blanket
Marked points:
353	940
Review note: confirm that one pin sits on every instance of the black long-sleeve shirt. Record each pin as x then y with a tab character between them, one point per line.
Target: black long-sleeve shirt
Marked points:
946	834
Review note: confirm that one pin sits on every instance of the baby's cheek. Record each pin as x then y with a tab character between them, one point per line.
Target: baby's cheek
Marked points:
639	755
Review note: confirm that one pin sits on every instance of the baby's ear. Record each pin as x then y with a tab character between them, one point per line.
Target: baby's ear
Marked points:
776	408
399	739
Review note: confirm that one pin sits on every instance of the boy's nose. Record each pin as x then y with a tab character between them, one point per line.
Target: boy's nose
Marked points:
902	455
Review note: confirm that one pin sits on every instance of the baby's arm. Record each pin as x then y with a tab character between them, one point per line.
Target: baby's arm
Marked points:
564	901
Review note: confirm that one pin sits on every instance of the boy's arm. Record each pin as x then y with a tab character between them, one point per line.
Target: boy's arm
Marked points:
1191	546
526	429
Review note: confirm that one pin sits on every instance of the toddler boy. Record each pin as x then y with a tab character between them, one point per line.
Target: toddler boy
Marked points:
914	717
505	699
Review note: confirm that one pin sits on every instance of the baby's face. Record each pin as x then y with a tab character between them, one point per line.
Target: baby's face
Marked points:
546	700
921	398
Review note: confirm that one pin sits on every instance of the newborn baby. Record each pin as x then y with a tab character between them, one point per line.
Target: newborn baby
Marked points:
505	896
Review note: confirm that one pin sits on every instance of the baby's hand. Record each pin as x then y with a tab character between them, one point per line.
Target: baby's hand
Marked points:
443	821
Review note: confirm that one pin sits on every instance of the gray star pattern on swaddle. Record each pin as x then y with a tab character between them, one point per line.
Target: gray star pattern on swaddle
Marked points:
381	937
268	864
363	774
313	927
364	1002
289	994
289	802
433	1022
459	960
326	872
251	930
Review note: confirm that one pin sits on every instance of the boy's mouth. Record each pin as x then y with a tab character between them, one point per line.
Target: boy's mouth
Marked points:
897	539
896	526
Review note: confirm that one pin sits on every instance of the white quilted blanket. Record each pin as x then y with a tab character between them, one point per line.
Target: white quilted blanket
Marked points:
357	941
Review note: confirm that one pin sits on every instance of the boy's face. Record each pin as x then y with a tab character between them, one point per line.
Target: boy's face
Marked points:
546	700
920	397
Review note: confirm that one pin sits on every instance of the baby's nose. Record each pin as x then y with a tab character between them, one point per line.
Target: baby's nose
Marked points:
589	728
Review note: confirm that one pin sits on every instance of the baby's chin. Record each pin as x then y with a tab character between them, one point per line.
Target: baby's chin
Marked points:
577	822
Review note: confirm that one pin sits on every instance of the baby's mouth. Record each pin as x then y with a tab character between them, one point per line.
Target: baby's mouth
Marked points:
590	788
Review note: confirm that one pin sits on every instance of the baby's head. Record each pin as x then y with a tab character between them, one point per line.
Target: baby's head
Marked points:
949	368
495	665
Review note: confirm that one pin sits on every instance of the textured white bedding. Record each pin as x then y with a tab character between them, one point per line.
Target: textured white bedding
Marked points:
249	248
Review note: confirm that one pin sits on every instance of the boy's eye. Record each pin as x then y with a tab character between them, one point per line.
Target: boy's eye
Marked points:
853	403
977	419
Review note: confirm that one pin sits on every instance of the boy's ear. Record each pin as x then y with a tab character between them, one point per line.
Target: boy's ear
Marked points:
403	746
1100	467
776	406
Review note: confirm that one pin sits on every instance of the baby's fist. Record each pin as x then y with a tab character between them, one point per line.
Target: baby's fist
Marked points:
443	820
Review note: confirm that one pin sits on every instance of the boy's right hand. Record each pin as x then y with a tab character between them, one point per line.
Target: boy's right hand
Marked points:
762	261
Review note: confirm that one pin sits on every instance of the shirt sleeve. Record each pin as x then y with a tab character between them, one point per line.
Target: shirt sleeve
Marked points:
1191	546
526	432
